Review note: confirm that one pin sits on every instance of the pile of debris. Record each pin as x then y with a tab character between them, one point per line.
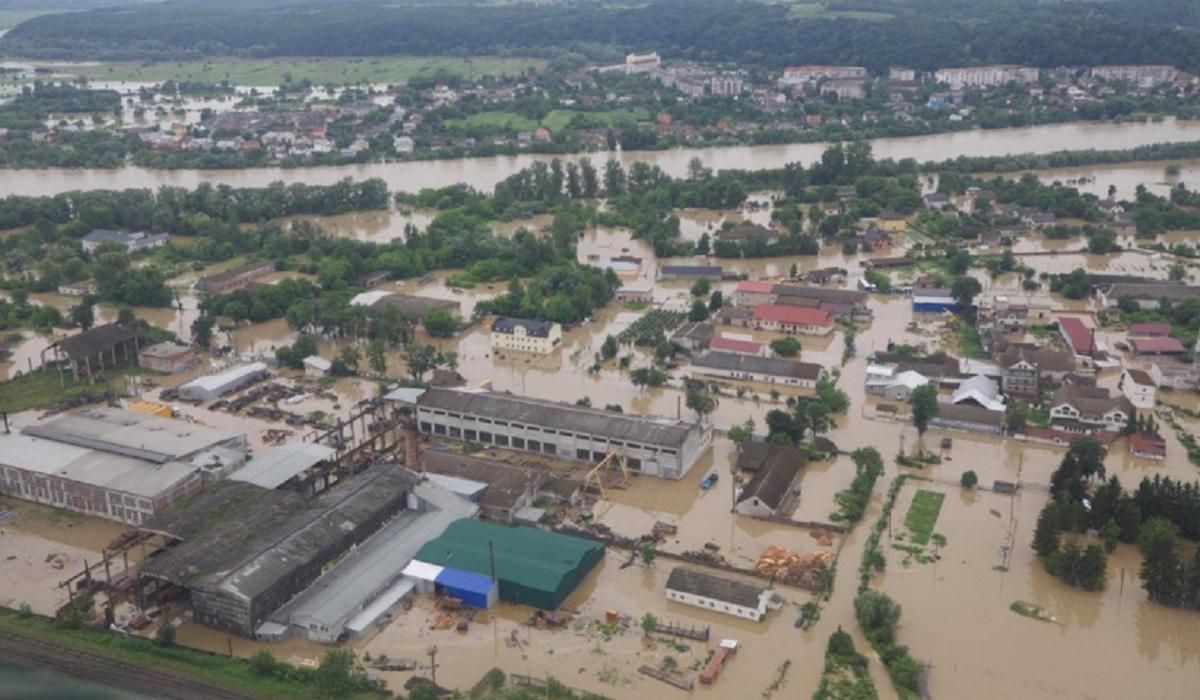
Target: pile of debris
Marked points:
822	536
789	567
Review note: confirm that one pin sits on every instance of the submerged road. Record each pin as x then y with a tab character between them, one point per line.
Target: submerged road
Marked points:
106	670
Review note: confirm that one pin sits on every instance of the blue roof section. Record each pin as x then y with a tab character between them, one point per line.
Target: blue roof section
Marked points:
465	581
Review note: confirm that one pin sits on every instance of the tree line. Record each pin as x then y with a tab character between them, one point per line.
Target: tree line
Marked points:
918	33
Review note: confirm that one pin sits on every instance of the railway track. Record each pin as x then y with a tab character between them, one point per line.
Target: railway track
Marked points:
106	670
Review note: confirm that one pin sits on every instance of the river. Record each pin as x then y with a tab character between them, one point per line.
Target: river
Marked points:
484	173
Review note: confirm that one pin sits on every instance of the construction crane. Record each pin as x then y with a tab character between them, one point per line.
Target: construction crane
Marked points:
613	461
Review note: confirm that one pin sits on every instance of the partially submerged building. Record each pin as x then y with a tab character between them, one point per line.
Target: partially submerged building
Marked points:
212	386
107	346
771	370
257	560
533	567
115	464
232	279
168	358
652	445
773	485
526	335
412	307
720	594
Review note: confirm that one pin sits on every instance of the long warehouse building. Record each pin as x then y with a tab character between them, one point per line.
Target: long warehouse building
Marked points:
653	445
116	464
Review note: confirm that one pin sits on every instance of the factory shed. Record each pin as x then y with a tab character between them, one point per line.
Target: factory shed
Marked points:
533	567
474	590
275	467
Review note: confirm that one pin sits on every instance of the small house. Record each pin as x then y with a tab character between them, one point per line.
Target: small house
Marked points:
316	366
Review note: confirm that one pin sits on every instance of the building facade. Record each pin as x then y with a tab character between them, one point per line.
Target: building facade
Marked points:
541	337
723	595
769	370
793	320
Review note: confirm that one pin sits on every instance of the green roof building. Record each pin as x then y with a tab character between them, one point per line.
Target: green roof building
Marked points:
534	567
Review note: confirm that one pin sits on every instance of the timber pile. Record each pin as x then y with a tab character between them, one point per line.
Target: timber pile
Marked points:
793	568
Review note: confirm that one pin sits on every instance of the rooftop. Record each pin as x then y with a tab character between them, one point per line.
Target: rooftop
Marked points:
1151	291
785	292
652	430
758	365
533	328
771	483
131	434
212	382
794	315
728	590
278	464
165	350
95	340
506	483
1150	329
749	347
969	414
1078	335
755	287
219	279
1138	376
412	306
1158	345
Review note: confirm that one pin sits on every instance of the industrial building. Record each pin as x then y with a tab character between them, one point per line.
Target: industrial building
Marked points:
232	279
533	567
212	386
412	307
110	345
770	370
652	445
499	489
320	564
115	464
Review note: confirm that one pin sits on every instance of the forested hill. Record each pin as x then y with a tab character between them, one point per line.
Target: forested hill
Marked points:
876	33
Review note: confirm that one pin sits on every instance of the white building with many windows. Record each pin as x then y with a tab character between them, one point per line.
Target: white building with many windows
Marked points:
720	594
542	337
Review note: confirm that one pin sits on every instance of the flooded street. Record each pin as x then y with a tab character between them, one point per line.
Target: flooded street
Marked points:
484	173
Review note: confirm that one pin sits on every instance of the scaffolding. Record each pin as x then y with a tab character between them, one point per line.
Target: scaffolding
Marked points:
612	472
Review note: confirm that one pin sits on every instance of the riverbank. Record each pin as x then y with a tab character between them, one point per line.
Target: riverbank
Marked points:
484	173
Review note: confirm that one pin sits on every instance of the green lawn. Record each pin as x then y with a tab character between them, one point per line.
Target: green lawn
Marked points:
510	121
923	514
44	389
321	71
969	343
234	674
559	119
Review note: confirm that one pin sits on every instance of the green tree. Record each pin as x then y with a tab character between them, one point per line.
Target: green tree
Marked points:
377	356
202	330
440	323
964	290
1102	241
649	623
740	433
610	348
701	288
1161	573
878	615
698	312
701	401
1112	536
786	347
924	408
1045	534
83	314
164	636
969	479
421	359
349	359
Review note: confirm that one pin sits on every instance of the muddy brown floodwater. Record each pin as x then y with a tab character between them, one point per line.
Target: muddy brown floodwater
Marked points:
484	173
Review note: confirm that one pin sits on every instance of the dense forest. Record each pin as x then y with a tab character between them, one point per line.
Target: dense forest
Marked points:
876	33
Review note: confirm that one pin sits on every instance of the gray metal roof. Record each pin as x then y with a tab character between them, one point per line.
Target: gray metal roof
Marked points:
277	465
533	328
276	532
343	591
737	362
95	340
650	430
841	296
131	434
707	585
108	470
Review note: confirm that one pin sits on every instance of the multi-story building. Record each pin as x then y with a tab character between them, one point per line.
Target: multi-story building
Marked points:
793	320
636	64
1089	409
1147	76
985	76
793	75
651	445
521	335
845	89
1138	387
1027	367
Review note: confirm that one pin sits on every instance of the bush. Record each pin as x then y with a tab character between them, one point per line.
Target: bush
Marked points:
969	479
164	636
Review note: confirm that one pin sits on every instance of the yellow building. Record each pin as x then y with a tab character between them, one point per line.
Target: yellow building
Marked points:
522	335
891	223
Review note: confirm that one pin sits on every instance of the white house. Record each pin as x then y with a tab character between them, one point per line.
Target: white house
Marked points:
1138	387
1086	409
315	366
884	380
979	391
771	370
704	590
541	337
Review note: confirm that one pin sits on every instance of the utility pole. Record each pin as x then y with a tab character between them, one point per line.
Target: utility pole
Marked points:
432	652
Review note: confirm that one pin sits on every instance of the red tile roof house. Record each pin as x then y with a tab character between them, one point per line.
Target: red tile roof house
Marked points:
1148	446
742	347
792	319
1078	336
1157	346
1149	330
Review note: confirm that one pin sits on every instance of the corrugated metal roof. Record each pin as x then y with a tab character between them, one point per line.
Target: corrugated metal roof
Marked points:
215	382
653	430
131	434
271	469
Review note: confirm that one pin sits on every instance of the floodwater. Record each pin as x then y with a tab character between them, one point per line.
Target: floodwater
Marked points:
484	173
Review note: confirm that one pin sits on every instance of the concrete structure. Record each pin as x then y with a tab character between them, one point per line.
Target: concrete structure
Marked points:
131	242
110	345
212	386
540	337
845	89
793	320
689	272
724	595
970	418
694	336
115	464
985	76
317	366
933	301
771	370
1142	76
772	486
237	277
652	445
888	381
979	391
793	75
636	64
1138	387
1087	409
640	293
168	358
1175	375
